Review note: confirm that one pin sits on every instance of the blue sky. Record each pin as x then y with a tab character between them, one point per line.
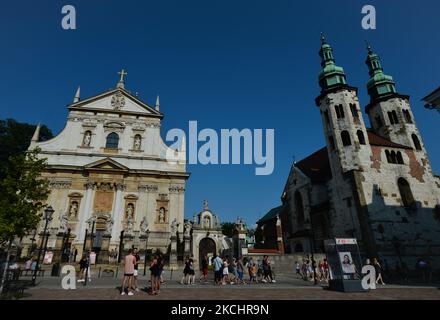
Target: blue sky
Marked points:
226	64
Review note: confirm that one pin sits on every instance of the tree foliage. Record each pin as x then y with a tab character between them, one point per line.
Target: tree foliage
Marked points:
228	229
23	192
15	138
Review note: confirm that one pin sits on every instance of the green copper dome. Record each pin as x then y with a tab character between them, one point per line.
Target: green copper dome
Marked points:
379	84
331	75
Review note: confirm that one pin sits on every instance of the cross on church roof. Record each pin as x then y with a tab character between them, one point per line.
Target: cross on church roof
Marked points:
121	82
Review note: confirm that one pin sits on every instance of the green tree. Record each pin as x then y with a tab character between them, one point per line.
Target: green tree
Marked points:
228	228
15	138
22	198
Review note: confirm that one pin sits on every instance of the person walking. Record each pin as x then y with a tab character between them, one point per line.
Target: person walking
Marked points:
136	266
225	272
240	271
218	269
129	263
205	264
185	271
378	269
192	272
249	266
153	272
298	269
158	270
83	264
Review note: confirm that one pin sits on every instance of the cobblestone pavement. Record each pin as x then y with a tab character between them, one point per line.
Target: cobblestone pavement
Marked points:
222	293
287	287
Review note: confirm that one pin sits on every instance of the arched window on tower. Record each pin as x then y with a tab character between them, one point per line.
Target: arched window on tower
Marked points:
112	141
345	136
299	207
354	111
339	111
416	142
405	193
399	157
388	155
393	157
407	116
396	120
361	137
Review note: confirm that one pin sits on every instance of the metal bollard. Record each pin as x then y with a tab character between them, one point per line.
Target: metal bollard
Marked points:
99	272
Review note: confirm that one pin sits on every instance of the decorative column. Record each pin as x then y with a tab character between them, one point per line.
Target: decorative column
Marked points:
117	214
173	253
85	214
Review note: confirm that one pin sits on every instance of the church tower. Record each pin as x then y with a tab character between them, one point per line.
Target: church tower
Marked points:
389	112
344	127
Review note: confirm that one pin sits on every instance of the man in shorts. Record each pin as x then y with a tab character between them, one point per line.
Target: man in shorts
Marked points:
129	263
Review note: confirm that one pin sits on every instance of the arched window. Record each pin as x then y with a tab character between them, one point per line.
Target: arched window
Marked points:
405	192
112	141
396	120
399	157
387	153
393	157
354	111
361	137
416	142
299	207
345	136
339	111
407	116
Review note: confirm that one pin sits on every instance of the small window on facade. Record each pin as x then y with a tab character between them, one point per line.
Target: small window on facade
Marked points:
390	117
388	155
399	157
407	116
354	111
396	120
361	137
339	111
416	142
345	136
405	193
112	141
393	157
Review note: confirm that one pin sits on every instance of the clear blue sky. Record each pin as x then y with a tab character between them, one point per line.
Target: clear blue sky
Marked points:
226	64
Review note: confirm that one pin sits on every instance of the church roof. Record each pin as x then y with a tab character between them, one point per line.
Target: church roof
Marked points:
271	214
316	166
376	140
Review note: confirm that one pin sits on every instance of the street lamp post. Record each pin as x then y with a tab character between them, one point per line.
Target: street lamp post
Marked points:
91	248
48	212
147	234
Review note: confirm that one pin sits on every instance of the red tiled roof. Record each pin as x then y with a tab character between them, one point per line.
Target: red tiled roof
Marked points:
376	140
316	166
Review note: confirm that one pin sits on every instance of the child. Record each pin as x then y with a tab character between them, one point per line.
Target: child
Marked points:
254	273
225	272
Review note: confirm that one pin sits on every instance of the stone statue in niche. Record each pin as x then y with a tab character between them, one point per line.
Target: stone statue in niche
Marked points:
87	139
206	222
73	211
162	215
130	211
137	142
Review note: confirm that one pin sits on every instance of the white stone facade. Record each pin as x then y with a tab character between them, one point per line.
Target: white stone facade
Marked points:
122	182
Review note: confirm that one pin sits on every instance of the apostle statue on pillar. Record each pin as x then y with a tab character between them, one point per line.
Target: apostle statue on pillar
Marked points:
64	223
188	226
174	226
109	226
144	226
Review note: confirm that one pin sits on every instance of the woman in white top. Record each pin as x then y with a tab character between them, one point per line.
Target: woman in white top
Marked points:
225	272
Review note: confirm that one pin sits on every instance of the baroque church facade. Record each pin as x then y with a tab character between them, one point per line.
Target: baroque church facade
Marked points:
374	184
112	178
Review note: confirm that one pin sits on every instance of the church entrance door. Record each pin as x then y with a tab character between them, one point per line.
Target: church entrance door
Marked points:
206	246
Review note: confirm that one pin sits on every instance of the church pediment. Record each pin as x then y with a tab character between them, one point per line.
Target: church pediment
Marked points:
107	164
115	101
